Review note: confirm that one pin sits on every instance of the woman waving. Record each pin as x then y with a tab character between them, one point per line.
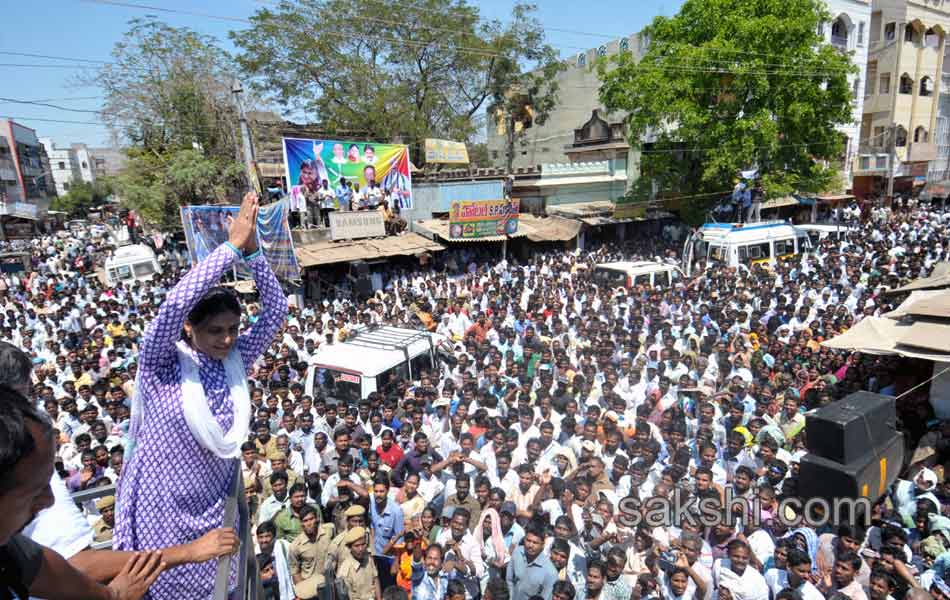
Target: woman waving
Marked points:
191	409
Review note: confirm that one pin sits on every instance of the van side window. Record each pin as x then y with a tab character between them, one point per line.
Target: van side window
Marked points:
143	269
420	363
783	247
387	380
662	279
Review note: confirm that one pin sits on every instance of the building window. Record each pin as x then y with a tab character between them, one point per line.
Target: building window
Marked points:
889	32
62	166
839	33
880	162
878	139
906	85
602	51
920	135
861	33
885	87
66	185
624	45
900	138
864	163
85	165
855	87
926	86
581	60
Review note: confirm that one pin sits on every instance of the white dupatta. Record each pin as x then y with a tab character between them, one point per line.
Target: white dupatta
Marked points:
194	403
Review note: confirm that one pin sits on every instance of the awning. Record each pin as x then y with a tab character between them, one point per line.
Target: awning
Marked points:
871	335
906	307
549	229
779	203
576	210
833	198
440	228
939	278
329	252
884	336
935	189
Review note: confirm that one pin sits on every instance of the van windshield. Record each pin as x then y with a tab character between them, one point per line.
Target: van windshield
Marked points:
610	277
339	385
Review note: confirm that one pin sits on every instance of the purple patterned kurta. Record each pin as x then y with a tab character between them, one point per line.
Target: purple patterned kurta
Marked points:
173	491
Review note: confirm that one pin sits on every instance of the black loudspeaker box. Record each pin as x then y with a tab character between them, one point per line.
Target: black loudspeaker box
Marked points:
846	430
868	476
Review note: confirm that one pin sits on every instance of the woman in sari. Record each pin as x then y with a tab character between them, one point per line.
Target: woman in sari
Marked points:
191	410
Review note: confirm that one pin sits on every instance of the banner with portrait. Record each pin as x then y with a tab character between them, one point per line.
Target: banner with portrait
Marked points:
311	162
207	227
473	219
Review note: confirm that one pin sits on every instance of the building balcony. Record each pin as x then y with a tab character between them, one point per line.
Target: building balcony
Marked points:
921	152
839	42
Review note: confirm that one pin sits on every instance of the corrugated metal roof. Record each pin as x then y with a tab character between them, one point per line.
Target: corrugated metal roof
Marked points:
549	229
328	252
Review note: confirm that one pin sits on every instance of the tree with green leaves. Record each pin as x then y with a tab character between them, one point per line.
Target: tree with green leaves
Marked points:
82	197
727	86
363	70
168	95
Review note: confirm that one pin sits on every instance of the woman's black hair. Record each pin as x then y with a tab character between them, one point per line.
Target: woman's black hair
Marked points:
218	300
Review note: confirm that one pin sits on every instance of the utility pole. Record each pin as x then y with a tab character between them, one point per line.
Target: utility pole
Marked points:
891	160
247	146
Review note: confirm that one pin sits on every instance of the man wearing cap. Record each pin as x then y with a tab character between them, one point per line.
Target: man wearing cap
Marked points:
355	516
102	528
308	554
278	464
356	573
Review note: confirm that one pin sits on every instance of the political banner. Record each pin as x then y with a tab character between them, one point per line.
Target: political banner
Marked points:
207	227
472	219
311	162
446	152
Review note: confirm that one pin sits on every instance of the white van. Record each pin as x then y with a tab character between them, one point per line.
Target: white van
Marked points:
629	274
131	263
735	244
373	360
822	231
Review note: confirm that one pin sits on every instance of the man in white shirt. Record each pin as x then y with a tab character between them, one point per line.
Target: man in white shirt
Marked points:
734	573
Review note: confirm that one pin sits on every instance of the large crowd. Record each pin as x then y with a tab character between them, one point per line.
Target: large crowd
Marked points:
506	471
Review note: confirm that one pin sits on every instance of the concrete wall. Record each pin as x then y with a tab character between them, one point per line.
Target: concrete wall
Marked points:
429	198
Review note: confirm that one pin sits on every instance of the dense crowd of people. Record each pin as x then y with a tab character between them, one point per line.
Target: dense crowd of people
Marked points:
506	471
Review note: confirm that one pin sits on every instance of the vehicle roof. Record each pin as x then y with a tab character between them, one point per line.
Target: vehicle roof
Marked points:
638	267
134	251
376	350
825	227
739	233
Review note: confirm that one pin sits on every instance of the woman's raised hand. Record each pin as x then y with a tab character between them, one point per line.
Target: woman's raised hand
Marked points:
242	233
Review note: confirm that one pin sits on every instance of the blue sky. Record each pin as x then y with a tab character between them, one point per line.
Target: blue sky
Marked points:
84	30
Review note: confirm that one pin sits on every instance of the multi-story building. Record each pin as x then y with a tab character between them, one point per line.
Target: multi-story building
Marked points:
107	162
901	105
848	31
25	181
81	163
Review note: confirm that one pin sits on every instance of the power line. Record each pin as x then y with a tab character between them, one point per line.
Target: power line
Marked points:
462	49
73	59
40	103
53	120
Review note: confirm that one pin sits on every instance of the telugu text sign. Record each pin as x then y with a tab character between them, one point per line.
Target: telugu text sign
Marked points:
472	219
352	225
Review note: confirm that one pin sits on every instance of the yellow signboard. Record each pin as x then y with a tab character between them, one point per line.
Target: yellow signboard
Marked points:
447	152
